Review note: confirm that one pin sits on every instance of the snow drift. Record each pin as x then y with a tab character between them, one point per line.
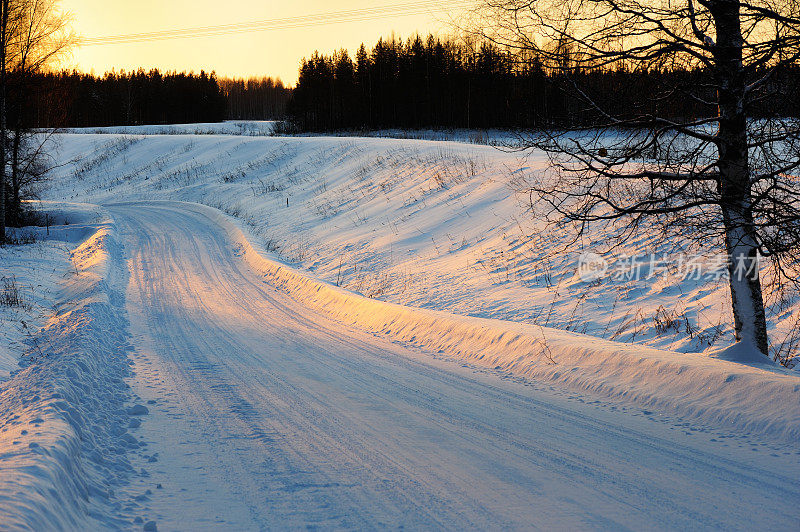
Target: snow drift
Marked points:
63	423
691	385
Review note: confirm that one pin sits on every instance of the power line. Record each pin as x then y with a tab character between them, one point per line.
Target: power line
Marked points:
337	17
283	23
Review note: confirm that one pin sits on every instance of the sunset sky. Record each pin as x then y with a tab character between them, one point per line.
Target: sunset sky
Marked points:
272	52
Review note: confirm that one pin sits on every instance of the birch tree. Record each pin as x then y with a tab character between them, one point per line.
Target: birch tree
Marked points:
725	176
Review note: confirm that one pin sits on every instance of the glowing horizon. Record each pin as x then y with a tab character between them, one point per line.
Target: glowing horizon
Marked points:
275	52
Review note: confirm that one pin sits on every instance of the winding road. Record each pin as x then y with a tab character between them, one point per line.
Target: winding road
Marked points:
266	415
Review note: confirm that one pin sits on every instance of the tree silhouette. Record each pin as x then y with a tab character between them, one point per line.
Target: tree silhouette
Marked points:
719	171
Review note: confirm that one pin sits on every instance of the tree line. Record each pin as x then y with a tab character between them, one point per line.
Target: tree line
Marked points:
443	83
254	98
415	83
76	99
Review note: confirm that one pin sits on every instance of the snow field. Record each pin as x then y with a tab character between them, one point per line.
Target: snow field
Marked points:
423	243
437	225
69	427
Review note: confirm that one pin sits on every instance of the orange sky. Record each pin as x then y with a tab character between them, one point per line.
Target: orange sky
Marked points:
275	52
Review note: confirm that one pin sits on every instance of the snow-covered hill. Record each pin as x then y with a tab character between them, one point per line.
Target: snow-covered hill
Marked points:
277	400
437	225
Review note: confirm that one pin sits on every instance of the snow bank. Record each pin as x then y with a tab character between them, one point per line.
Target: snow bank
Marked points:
763	399
63	424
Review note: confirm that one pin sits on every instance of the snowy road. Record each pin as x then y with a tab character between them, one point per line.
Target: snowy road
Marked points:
267	415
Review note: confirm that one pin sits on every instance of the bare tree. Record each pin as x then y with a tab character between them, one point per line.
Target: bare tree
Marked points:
33	33
720	177
6	39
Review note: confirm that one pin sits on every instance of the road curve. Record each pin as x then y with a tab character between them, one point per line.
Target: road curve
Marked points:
267	415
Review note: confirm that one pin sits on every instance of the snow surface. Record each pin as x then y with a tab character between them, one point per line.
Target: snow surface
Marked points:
435	225
265	413
203	371
63	439
692	385
34	270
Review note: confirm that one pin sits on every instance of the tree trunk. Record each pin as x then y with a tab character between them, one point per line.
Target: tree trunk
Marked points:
735	190
15	177
4	5
750	322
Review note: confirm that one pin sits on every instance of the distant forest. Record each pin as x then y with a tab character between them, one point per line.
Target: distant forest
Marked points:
254	98
72	99
433	83
416	83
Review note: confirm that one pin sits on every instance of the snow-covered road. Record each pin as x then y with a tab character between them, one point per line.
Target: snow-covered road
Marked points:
269	415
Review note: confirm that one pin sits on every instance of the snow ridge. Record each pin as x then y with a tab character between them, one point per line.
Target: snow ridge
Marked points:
63	422
692	385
